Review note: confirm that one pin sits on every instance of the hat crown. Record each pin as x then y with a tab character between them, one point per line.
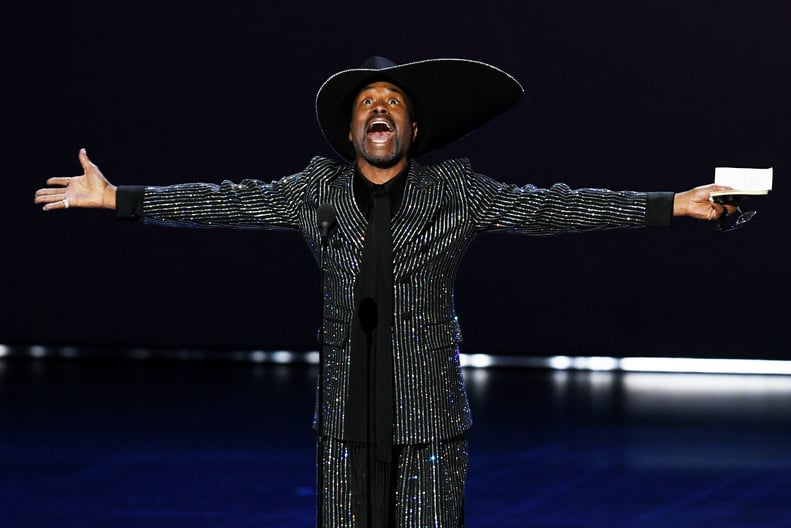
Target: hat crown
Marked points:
377	62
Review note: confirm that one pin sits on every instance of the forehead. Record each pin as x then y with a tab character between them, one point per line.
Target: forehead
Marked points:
381	86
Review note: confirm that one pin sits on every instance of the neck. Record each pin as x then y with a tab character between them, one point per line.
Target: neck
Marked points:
380	175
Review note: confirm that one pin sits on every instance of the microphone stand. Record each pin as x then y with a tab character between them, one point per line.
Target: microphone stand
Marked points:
320	396
326	218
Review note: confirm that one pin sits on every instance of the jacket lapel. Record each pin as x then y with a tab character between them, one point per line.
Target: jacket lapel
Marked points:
422	198
419	206
351	222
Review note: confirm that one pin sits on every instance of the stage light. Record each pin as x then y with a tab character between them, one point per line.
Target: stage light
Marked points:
282	356
471	361
476	360
705	365
560	362
312	357
258	356
37	351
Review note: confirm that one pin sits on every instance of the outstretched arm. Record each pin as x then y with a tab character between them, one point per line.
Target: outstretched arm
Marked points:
697	203
91	189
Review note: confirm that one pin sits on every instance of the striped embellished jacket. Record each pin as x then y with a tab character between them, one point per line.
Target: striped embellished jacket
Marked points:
444	207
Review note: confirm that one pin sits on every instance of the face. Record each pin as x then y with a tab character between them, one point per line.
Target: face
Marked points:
381	129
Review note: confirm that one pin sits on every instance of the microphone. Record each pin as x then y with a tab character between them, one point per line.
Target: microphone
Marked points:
326	218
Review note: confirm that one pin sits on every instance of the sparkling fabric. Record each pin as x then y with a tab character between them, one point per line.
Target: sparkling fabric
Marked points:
428	482
444	207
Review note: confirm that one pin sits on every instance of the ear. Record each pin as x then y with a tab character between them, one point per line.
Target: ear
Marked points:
414	131
350	133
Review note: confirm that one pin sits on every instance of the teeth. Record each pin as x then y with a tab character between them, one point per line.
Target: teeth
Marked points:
380	122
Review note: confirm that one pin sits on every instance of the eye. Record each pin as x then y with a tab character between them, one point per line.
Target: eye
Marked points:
366	100
393	101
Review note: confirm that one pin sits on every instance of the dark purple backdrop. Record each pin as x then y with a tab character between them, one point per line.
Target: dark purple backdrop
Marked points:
648	95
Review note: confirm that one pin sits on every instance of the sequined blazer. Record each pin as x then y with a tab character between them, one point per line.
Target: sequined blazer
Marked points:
443	208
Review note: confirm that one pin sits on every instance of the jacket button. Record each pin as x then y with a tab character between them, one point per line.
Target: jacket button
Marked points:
406	316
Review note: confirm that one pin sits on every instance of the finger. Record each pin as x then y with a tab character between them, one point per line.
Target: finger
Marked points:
84	161
59	180
49	198
47	190
45	193
58	204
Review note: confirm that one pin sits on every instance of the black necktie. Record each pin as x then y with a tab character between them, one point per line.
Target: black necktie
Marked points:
370	406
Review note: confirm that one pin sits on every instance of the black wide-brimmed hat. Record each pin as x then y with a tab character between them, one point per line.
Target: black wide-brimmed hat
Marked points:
451	98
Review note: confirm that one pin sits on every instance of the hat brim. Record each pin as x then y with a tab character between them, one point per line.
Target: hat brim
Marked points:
451	98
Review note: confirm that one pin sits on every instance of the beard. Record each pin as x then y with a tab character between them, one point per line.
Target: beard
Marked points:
383	159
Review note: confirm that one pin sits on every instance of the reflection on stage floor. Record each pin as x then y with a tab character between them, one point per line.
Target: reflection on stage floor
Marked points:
133	443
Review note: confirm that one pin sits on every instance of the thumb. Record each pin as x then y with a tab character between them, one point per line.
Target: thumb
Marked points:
84	161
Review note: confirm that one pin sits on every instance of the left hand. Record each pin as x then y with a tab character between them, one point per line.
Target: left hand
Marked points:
697	203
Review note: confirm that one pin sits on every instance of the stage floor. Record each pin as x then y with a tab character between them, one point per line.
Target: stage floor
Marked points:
149	443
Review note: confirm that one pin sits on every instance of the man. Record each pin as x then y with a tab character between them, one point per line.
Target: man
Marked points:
392	409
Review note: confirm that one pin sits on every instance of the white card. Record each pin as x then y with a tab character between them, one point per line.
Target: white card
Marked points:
744	179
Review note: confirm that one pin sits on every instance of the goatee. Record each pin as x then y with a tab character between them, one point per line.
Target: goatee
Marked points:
383	161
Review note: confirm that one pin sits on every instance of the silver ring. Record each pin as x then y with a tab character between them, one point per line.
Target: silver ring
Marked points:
65	203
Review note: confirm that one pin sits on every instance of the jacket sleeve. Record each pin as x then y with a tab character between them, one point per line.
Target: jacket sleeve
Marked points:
248	204
531	210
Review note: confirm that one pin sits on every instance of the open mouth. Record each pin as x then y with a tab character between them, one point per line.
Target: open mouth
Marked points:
380	130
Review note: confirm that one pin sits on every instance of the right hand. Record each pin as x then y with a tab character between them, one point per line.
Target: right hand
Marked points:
91	189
